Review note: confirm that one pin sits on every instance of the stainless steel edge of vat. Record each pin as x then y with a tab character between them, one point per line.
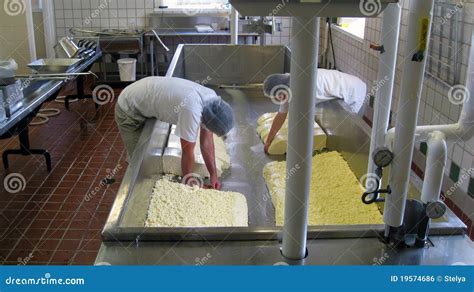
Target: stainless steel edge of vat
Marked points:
347	133
146	144
238	233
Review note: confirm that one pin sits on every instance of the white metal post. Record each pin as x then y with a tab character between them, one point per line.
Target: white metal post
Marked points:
234	27
435	164
304	64
419	29
386	79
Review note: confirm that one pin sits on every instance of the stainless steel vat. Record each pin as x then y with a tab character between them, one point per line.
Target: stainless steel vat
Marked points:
218	65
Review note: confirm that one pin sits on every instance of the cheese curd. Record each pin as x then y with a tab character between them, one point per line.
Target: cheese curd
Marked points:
279	144
172	157
335	196
177	205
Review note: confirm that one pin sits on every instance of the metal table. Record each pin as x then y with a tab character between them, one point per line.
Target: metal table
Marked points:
36	93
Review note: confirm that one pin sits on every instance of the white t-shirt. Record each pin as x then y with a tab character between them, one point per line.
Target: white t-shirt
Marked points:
332	84
168	99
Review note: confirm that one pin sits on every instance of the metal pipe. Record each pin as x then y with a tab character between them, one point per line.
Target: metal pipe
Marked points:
386	77
464	128
304	63
419	29
234	27
160	41
435	164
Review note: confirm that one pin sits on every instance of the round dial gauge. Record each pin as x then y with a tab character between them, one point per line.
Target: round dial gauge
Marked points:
383	157
435	210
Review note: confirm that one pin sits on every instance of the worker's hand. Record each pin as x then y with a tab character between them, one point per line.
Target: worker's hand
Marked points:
267	146
215	184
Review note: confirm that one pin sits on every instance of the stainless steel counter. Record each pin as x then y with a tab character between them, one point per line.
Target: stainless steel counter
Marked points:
38	92
127	241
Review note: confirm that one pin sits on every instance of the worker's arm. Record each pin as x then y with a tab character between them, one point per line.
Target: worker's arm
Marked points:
209	155
276	126
187	160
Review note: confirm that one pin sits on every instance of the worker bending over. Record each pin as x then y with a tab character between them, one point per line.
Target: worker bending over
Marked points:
331	84
193	108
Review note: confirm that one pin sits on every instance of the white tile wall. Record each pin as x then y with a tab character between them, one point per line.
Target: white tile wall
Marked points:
101	14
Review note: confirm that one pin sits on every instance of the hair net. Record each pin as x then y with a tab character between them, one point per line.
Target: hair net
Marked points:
218	117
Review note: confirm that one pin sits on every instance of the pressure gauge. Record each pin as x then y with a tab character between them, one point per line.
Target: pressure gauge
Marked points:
435	210
382	157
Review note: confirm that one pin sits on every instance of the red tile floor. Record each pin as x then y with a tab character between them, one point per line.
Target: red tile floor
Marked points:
58	216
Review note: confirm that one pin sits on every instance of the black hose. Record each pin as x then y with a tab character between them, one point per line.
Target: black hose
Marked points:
328	20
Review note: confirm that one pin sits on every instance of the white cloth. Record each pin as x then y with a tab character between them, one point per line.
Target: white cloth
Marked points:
168	99
332	84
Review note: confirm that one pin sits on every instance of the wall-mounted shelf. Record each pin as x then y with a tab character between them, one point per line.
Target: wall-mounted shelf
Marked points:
309	8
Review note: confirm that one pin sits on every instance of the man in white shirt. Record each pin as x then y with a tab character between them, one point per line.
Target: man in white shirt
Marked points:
331	84
193	108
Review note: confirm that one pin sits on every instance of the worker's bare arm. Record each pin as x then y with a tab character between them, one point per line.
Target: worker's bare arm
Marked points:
209	155
276	126
187	159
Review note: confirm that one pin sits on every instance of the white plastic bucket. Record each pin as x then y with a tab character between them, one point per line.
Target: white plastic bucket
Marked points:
127	69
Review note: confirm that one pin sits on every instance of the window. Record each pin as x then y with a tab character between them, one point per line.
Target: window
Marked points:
353	26
445	57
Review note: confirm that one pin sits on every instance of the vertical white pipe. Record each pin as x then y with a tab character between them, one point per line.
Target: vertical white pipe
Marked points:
466	120
234	27
386	77
304	64
435	164
31	30
419	29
